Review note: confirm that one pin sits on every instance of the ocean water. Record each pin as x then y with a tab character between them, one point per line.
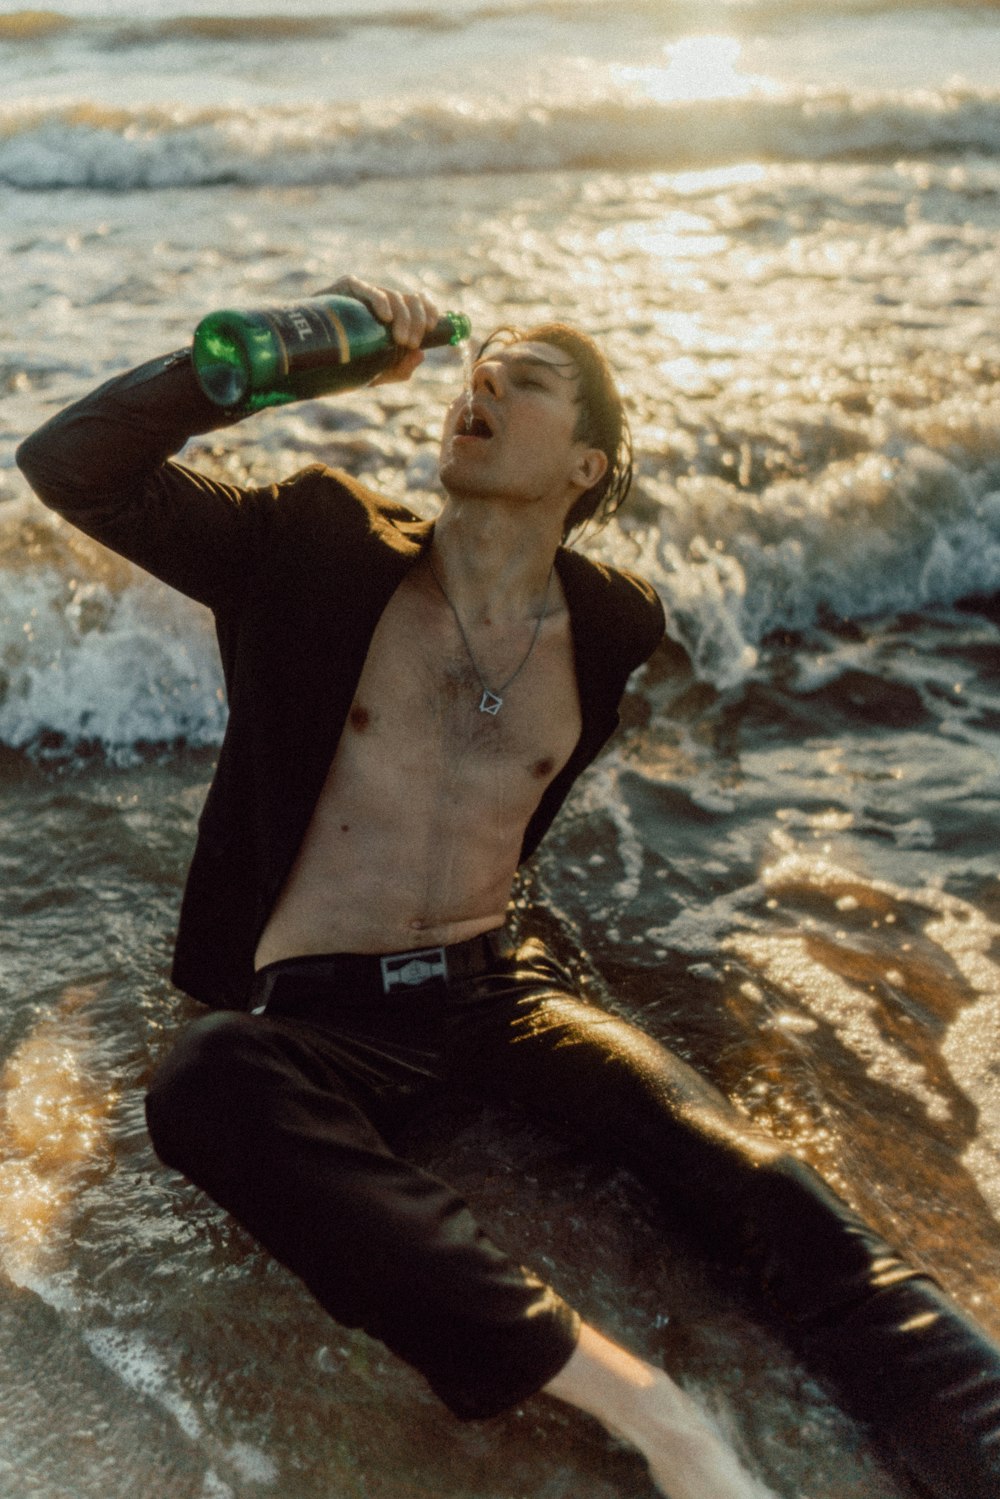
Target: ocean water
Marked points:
783	220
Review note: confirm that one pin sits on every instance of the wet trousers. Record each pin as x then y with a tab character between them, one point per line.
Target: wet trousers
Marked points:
284	1117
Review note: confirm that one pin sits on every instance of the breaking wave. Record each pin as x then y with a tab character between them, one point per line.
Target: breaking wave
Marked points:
90	145
94	655
259	26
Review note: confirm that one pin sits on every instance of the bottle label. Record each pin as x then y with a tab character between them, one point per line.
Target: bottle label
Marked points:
308	337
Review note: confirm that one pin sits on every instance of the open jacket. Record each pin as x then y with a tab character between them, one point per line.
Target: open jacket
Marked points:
297	575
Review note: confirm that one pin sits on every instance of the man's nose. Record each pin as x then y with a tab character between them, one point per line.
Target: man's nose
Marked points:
488	376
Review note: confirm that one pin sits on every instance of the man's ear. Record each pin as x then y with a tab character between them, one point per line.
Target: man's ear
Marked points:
590	468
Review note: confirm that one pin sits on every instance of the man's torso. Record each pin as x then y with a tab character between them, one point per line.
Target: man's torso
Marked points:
417	832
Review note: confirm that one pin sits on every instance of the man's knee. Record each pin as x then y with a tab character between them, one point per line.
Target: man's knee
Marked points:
204	1068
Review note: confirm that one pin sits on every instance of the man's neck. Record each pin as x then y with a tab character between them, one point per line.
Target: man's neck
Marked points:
494	563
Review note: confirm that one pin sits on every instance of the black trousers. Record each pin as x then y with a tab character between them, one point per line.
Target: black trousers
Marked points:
283	1118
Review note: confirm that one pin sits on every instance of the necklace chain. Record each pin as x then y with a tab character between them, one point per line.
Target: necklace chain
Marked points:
492	701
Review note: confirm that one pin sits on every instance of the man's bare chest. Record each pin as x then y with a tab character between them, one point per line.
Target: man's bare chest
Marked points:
420	698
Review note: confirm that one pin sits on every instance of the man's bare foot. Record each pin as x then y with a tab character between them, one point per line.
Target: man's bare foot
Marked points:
687	1458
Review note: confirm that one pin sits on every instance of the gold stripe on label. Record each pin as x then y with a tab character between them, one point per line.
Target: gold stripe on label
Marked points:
340	333
268	314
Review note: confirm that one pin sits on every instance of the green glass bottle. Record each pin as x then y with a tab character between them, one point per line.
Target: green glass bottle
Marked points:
269	356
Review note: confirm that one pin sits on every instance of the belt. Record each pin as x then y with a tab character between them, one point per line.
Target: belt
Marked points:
387	973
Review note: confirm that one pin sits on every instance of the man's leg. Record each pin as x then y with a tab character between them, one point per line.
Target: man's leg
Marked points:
899	1351
257	1113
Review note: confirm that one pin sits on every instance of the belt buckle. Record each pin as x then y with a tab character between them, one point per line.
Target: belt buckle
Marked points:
408	970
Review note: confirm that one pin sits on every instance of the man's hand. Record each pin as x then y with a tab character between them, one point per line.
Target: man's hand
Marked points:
408	316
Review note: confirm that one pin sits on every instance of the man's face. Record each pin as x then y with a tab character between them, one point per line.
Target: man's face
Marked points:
514	438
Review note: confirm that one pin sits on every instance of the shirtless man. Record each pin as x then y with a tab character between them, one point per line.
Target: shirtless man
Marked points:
409	704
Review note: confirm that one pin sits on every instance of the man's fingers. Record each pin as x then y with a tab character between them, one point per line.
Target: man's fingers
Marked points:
375	297
416	314
407	314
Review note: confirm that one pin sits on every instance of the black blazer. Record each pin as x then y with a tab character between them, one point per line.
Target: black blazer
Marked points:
297	575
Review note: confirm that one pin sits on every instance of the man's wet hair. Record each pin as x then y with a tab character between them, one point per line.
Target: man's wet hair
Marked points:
602	422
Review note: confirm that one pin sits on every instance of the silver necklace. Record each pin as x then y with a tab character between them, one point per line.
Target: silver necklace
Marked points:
492	701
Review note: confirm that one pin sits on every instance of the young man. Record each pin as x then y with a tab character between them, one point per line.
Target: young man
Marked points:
409	705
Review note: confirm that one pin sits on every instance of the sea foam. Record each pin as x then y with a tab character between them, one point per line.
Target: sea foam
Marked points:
900	528
96	654
55	144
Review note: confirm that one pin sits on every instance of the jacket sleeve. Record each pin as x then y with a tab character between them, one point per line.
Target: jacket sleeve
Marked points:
105	463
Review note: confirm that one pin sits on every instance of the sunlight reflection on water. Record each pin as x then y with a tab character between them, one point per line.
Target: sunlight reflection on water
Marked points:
698	67
52	1125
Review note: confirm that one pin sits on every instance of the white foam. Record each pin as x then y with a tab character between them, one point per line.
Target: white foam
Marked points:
144	1369
147	1370
251	1464
898	528
855	1017
599	794
89	660
91	654
215	1488
47	144
967	941
972	1043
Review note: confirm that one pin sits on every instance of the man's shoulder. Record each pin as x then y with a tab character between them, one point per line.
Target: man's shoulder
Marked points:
612	584
327	512
615	599
318	489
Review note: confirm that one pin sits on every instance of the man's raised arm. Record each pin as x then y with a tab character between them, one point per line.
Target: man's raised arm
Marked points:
105	463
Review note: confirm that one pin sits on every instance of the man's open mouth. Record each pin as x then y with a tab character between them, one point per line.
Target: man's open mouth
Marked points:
474	424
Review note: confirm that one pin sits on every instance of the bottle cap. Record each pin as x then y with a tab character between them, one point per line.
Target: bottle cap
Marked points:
461	326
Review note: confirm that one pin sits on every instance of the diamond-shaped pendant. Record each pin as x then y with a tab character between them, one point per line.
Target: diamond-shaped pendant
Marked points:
490	702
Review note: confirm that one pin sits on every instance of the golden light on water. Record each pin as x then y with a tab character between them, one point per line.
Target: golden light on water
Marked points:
817	971
697	67
52	1119
675	236
712	179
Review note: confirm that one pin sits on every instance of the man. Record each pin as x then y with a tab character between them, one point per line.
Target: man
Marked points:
409	705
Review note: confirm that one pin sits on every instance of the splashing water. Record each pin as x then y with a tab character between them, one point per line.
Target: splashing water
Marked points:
468	365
